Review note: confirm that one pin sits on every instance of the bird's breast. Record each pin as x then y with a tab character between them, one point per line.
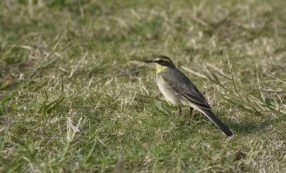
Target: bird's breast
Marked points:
170	94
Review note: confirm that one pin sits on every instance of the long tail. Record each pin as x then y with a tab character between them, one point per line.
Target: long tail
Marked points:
217	122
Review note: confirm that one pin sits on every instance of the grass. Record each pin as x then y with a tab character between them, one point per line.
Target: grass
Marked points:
76	96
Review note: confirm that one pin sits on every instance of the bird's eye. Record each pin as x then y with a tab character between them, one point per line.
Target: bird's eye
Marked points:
160	61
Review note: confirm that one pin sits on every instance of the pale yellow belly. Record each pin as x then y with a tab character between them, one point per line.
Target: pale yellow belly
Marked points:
170	95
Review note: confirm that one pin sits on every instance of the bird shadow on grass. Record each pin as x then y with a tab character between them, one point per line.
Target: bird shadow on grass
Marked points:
243	127
254	127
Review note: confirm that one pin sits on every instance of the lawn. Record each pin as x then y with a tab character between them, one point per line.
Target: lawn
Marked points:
76	95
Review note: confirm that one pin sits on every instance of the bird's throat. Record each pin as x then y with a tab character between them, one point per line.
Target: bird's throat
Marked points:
160	68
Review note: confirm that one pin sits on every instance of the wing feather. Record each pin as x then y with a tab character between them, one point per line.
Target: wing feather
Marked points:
186	88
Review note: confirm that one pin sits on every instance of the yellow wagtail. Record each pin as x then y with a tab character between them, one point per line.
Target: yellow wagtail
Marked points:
181	92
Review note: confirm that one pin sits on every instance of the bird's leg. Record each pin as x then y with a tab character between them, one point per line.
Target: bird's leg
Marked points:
179	113
190	118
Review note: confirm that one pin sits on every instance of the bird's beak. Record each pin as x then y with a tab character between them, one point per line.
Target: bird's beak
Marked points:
149	61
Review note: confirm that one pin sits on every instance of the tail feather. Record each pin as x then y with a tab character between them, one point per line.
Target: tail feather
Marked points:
217	122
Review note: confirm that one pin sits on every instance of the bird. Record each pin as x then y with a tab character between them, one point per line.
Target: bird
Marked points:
181	92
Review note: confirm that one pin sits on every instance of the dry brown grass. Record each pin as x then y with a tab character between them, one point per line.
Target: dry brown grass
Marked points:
76	96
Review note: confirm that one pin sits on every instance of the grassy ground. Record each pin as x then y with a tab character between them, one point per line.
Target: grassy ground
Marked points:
76	97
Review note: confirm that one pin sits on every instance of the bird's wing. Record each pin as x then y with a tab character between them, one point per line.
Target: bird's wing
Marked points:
186	88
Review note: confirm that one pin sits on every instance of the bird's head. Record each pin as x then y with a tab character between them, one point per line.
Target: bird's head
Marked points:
162	62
